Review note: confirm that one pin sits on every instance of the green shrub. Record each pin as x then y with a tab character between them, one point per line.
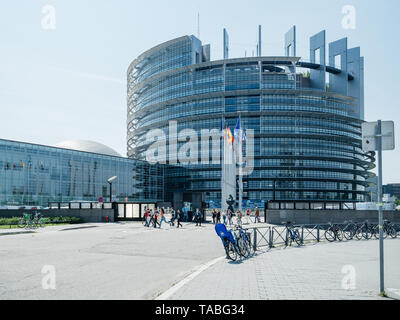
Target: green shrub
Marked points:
46	220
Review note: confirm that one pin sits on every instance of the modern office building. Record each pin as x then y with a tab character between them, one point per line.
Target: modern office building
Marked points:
36	175
306	115
392	189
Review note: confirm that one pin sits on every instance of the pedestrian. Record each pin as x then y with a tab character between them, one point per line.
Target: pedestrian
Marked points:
230	215
156	213
214	216
151	217
223	216
257	216
185	210
178	218
218	216
162	216
238	217
198	217
248	215
173	217
145	217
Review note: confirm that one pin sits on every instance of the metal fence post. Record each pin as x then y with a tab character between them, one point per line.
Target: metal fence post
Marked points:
255	239
302	235
318	239
271	237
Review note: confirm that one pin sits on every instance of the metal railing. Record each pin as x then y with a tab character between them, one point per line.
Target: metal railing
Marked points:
273	236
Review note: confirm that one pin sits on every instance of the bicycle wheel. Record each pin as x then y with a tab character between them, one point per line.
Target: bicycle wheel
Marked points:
358	234
330	235
367	233
230	250
244	250
391	231
348	233
297	237
250	244
21	223
339	234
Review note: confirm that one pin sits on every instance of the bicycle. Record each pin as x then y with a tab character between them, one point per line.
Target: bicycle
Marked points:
27	221
388	229
292	234
350	230
364	231
334	233
246	244
234	245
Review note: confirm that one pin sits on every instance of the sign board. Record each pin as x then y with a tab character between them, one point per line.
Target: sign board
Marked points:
100	199
370	138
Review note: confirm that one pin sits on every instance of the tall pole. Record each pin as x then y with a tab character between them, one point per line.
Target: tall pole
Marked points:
381	257
110	192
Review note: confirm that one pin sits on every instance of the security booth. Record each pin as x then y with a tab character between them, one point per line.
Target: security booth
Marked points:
131	211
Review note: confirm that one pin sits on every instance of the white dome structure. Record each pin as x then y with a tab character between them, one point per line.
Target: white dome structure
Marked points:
88	146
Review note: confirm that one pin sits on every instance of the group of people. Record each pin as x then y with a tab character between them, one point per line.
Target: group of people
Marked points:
157	217
228	215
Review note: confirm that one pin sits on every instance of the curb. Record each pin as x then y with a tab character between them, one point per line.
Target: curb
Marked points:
167	294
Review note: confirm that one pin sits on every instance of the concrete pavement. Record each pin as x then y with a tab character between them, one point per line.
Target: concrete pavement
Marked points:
323	271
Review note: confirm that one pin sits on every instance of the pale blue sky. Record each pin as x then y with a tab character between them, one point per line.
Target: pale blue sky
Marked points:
69	83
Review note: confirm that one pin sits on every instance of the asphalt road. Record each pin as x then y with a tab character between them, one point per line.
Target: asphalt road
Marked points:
114	261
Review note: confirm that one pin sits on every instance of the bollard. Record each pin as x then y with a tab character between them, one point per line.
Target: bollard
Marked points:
255	239
318	234
302	235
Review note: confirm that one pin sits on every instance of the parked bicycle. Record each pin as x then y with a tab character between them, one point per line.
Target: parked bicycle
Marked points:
364	231
241	234
388	230
334	233
234	243
292	234
349	231
31	220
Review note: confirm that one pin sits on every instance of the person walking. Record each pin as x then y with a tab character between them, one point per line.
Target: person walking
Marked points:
198	217
156	213
162	217
214	216
178	219
238	217
218	216
173	217
185	213
223	216
257	216
230	215
145	217
248	215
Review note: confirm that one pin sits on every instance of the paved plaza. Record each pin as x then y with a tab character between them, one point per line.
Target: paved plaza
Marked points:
309	272
128	261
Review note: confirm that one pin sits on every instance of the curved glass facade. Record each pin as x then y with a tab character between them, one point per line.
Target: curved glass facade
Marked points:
307	144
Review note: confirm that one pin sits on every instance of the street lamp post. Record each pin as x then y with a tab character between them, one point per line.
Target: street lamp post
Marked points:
110	181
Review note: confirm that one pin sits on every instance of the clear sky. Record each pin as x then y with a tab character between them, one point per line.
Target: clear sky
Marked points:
70	82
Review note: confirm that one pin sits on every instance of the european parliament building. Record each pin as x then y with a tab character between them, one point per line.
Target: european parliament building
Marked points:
306	116
36	175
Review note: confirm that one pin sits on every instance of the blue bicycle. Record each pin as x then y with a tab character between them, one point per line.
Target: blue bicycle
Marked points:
235	243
